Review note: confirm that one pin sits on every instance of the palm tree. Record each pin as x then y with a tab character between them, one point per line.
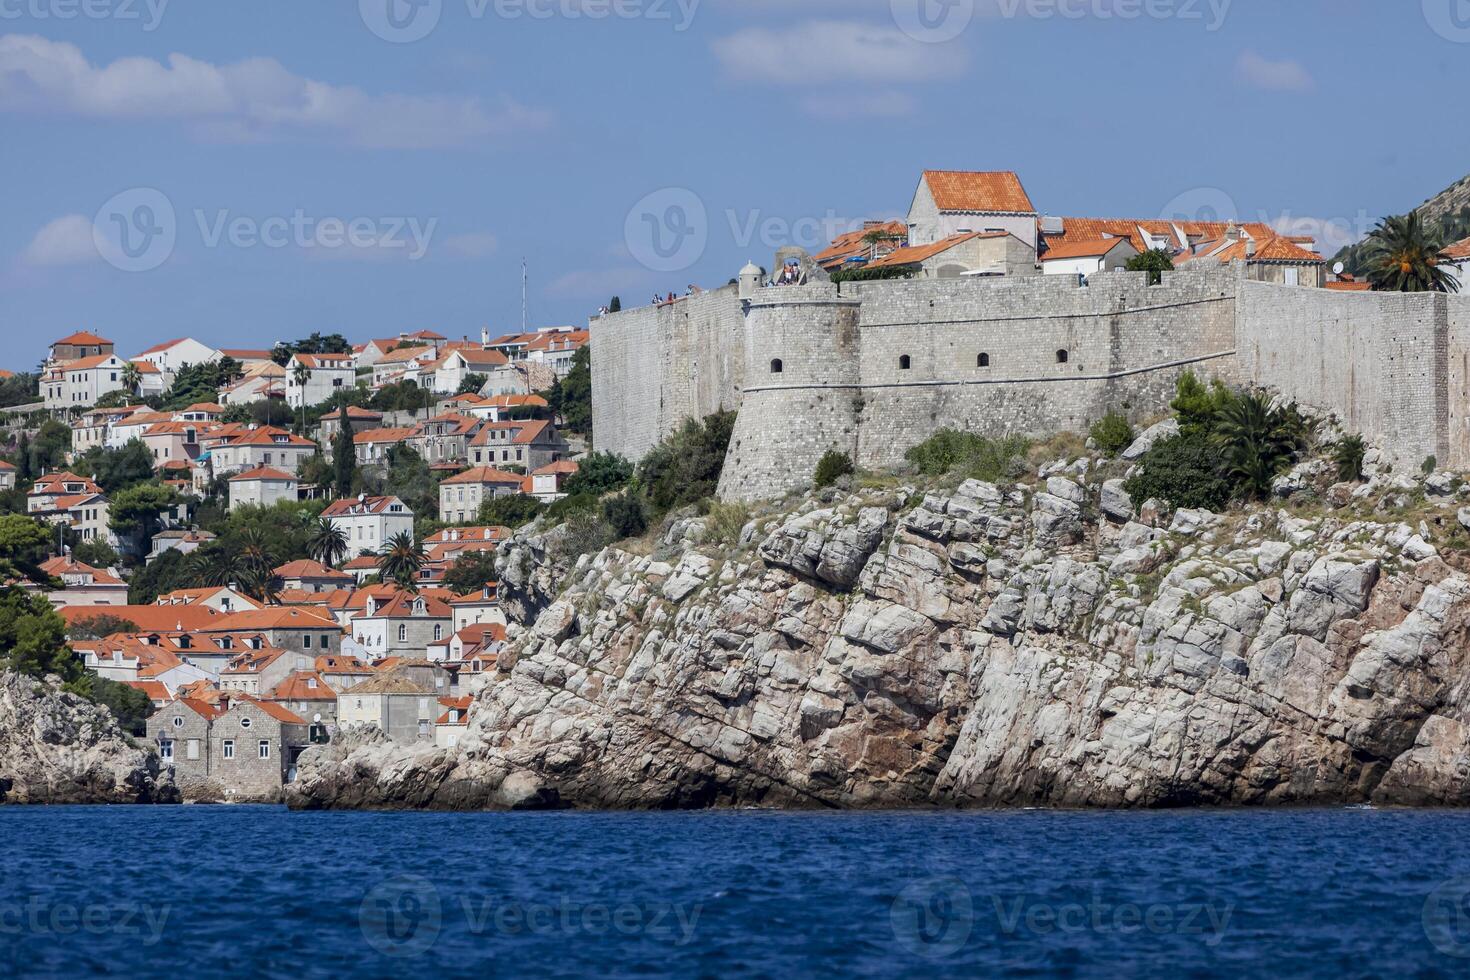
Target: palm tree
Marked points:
213	566
400	560
257	565
1348	455
1255	440
328	542
1402	256
301	374
132	377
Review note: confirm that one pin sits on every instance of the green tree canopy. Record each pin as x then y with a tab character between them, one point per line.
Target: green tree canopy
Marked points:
571	397
598	474
471	572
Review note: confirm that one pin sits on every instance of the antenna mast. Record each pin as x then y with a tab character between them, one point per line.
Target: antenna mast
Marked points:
523	294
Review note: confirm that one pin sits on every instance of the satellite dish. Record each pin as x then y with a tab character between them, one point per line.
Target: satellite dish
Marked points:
1338	269
317	718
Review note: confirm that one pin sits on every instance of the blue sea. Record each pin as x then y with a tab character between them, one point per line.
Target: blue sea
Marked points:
260	891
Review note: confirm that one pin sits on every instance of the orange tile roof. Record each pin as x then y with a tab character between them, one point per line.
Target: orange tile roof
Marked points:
563	467
297	687
483	474
274	710
149	618
382	435
88	363
245	354
59	566
483	358
351	506
1350	287
273	618
160	348
993	191
1091	229
262	473
1083	248
914	254
154	689
526	431
307	568
82	339
332	362
851	244
1459	250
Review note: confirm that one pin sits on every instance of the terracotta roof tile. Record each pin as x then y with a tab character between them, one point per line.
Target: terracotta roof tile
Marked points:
993	191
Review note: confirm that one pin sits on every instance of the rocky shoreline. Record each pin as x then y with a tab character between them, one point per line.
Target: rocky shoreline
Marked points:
1039	644
59	748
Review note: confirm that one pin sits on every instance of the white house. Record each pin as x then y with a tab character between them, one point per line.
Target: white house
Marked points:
391	366
171	356
1085	258
327	374
460	496
83	585
401	626
462	363
264	486
73	501
78	384
235	450
370	522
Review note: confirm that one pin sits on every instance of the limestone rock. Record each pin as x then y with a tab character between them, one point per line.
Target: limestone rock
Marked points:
1115	502
1151	437
60	748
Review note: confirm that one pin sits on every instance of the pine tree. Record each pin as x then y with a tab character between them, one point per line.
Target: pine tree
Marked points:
344	454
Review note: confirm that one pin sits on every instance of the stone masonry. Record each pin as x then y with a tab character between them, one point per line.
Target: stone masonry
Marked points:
872	369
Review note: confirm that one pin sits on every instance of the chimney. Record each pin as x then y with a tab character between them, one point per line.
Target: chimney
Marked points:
1250	248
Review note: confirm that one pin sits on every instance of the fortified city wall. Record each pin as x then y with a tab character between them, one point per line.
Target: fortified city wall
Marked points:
871	369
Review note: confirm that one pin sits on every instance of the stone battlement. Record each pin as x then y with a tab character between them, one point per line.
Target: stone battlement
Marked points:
873	368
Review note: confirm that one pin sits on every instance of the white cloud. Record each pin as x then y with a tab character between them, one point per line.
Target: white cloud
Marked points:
65	241
827	51
1273	76
854	106
255	99
473	245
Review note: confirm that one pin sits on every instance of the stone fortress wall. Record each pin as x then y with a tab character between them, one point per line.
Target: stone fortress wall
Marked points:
871	369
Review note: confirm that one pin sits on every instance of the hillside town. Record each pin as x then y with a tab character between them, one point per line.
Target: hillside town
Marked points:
266	545
263	547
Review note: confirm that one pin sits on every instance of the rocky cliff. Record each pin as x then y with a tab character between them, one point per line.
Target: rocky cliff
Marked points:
60	748
1045	643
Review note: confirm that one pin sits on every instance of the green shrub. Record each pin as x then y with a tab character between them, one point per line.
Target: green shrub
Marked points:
1429	465
599	473
625	515
1197	404
974	456
1256	441
1184	470
831	466
1348	455
511	511
1112	434
724	522
685	466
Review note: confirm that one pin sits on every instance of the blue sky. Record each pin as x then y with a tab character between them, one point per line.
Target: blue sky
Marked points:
322	177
